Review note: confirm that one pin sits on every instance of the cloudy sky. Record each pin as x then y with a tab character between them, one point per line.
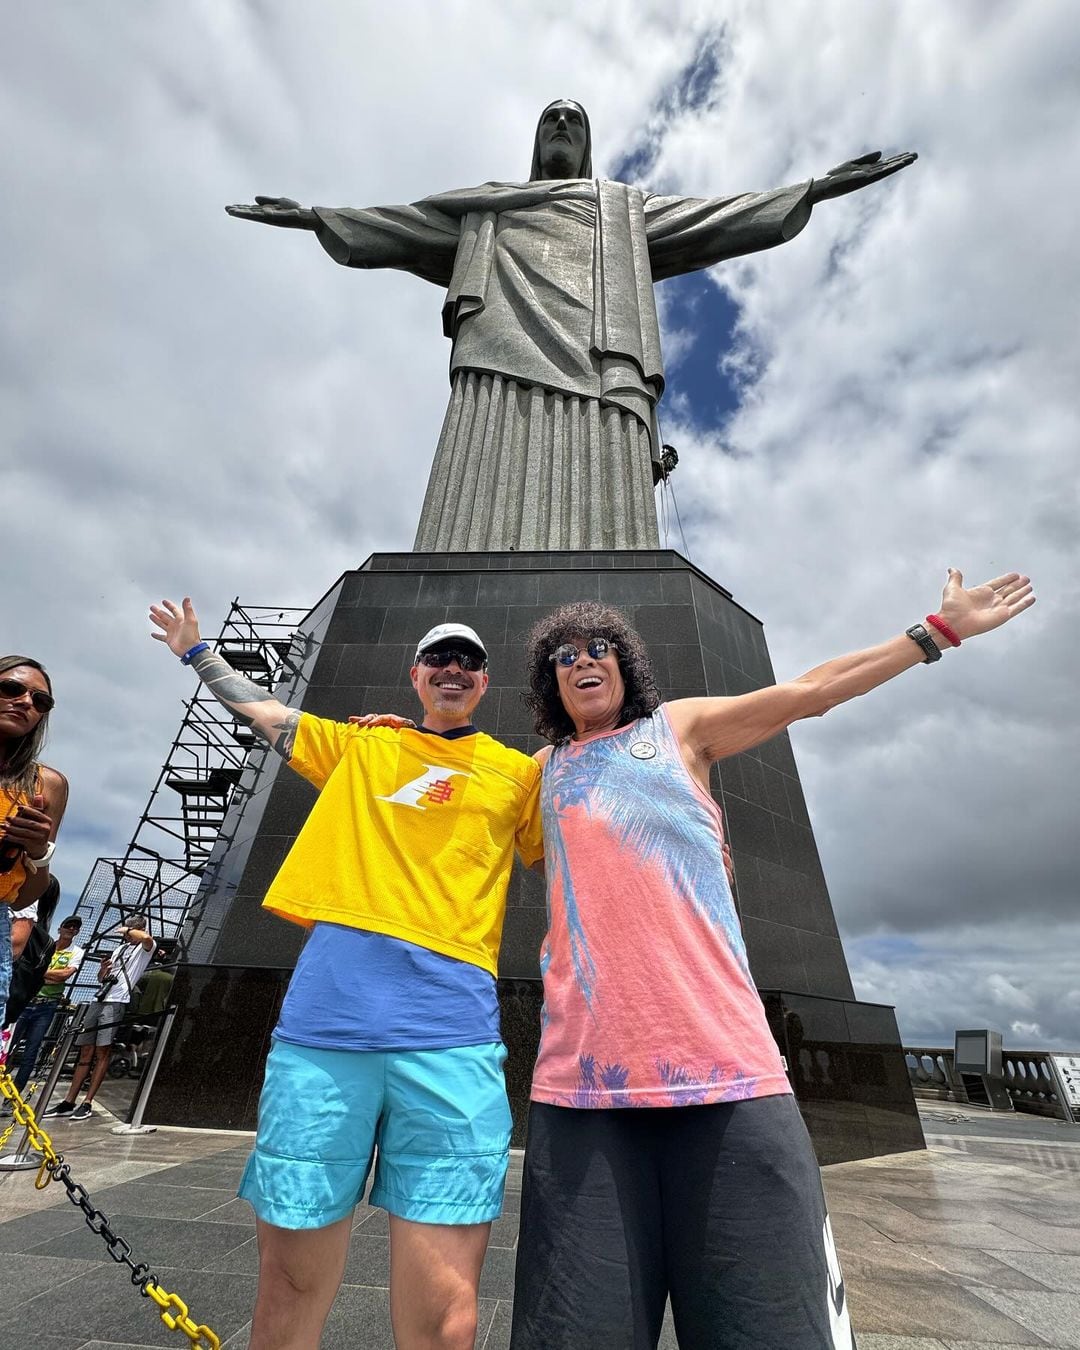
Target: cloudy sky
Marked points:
191	403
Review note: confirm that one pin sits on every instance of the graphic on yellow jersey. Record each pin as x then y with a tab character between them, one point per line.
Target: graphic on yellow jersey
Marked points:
413	835
433	787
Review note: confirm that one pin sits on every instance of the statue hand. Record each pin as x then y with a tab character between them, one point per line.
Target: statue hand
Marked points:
276	211
858	173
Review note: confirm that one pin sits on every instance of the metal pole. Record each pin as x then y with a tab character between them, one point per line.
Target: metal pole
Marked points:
19	1161
135	1125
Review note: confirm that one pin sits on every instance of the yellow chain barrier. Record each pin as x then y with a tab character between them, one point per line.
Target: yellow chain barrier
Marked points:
183	1322
174	1311
33	1087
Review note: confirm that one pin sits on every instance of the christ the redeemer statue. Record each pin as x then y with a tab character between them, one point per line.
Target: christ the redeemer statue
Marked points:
555	371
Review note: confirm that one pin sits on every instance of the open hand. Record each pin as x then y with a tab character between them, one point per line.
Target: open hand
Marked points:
179	627
858	173
381	720
276	211
983	608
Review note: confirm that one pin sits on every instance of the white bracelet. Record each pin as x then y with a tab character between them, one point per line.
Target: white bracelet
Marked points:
36	864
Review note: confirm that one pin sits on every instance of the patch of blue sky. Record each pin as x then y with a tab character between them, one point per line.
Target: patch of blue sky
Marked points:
698	319
690	89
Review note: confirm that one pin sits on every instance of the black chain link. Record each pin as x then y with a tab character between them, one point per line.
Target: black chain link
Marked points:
118	1248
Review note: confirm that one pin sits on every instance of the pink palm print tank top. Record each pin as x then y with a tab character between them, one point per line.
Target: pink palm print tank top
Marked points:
648	999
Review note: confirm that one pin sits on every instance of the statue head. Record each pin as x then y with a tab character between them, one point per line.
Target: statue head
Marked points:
563	144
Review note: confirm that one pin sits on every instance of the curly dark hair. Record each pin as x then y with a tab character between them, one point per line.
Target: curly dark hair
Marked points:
586	618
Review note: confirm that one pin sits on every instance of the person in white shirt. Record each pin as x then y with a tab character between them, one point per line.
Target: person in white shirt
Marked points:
119	973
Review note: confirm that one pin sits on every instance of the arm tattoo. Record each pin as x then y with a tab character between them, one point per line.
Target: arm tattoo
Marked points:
287	726
235	691
226	685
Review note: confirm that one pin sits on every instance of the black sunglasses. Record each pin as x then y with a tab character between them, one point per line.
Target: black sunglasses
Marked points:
42	701
567	654
442	658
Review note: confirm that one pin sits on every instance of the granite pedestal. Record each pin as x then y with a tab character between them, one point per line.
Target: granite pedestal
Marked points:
360	641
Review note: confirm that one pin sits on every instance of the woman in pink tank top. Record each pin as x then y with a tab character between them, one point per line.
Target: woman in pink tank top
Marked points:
666	1156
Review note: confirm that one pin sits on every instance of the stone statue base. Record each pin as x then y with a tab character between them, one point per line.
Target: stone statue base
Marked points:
845	1057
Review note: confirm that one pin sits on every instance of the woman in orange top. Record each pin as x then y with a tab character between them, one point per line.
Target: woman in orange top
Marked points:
32	802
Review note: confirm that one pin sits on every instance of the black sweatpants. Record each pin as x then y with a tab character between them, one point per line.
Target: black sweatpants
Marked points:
720	1207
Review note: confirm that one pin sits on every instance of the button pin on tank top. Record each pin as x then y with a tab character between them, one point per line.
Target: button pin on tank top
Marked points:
643	750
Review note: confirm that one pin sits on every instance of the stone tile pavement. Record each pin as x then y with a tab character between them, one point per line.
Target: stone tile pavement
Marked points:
970	1245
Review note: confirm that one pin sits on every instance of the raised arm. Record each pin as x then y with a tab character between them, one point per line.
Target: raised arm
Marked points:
249	702
714	728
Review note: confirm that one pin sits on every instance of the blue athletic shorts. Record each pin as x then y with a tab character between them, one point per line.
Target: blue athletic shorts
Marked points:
438	1120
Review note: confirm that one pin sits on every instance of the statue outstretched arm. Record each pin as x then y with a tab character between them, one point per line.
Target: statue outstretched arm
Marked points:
687	233
281	211
419	238
858	173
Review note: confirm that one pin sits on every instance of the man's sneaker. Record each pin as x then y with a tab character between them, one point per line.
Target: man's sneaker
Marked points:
60	1109
82	1112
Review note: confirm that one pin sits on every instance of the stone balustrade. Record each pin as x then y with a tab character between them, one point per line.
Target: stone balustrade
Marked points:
1027	1076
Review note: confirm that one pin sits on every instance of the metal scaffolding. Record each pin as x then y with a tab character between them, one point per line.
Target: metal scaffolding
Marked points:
162	872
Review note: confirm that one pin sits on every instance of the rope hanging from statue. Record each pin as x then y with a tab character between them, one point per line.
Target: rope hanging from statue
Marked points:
173	1309
662	471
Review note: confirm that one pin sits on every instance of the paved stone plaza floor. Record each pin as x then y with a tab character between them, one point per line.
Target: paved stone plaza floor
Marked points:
973	1243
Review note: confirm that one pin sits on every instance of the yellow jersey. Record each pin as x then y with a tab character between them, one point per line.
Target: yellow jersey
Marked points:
413	835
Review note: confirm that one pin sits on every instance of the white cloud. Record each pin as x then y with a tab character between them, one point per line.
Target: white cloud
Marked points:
1005	976
1007	995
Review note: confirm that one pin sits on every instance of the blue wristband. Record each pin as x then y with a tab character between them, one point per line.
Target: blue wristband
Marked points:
190	655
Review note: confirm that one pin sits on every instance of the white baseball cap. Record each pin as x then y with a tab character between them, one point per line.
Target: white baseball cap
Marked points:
444	633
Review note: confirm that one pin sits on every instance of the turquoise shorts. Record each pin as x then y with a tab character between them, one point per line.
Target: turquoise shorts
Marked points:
438	1121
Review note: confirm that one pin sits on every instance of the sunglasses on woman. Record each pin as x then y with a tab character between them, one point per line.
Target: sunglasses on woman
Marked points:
42	701
567	654
442	658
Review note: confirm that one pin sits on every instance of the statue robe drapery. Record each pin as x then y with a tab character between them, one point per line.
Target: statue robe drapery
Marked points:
556	367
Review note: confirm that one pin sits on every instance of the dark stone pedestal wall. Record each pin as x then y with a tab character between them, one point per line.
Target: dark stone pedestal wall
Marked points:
845	1065
361	638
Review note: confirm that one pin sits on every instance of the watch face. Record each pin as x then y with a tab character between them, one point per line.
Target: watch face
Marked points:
922	638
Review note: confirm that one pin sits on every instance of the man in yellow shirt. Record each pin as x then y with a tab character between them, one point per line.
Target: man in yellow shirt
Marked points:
389	1034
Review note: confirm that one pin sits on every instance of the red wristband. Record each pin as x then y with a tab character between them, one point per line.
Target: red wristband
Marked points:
943	628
